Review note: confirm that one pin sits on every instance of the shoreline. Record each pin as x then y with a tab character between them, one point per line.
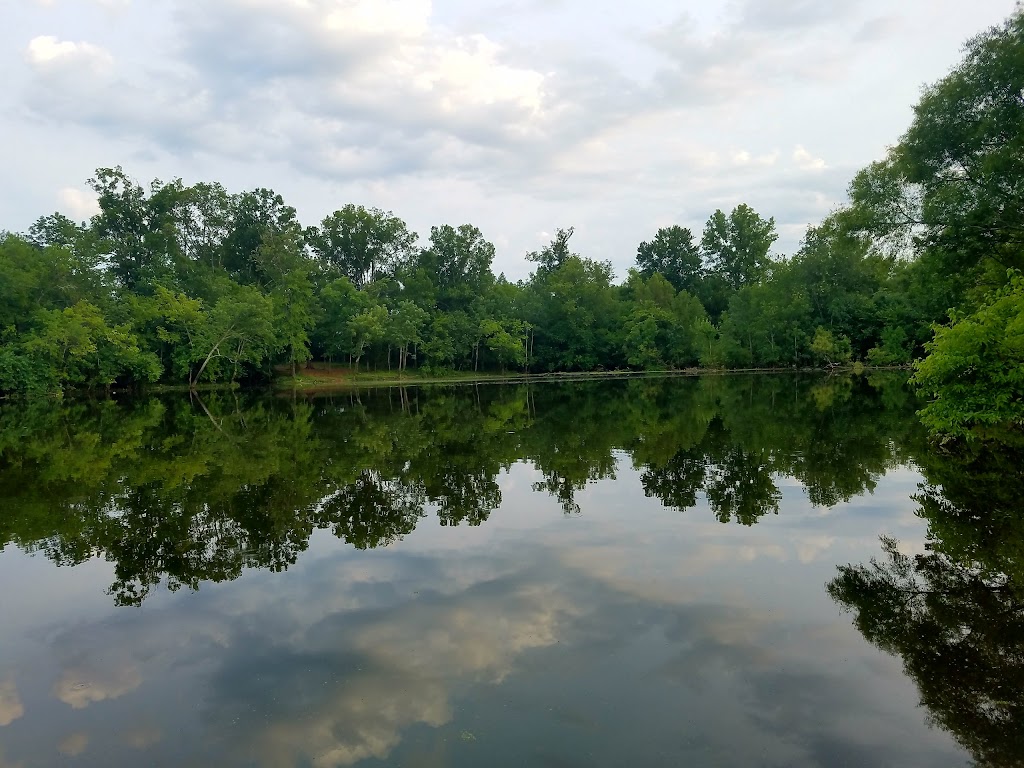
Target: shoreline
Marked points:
311	384
314	384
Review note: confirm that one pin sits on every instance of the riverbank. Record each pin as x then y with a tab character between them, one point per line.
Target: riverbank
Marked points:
322	377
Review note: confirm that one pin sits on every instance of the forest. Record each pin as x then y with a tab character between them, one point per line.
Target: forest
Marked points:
192	285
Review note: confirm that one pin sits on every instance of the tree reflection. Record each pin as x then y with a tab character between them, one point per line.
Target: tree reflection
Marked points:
185	491
955	614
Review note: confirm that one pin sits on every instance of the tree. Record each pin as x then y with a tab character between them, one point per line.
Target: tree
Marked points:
737	245
506	340
828	349
405	326
575	315
892	350
204	223
949	193
458	262
134	228
841	276
643	325
552	256
77	347
674	255
56	230
260	219
294	308
240	332
451	340
974	372
363	244
339	302
181	324
365	328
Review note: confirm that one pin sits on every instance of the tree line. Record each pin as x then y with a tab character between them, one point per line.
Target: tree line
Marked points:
191	284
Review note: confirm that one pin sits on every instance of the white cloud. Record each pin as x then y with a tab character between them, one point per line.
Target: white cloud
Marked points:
109	4
411	656
45	50
613	122
805	161
78	204
744	158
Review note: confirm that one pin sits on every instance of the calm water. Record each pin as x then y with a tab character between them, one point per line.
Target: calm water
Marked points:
626	573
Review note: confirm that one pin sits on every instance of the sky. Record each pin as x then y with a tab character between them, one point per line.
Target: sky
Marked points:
517	116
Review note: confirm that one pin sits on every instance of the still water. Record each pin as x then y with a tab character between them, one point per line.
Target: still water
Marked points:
724	571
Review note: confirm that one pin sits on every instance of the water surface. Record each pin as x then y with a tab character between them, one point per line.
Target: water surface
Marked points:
646	572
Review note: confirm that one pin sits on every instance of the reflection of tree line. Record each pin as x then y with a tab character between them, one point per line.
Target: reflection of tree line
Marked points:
192	491
955	614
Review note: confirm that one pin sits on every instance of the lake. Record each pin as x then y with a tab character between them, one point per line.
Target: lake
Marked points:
722	571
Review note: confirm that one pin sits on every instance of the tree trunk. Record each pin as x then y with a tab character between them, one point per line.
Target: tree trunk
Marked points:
209	356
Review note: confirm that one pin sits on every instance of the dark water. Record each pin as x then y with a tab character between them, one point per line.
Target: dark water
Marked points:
630	573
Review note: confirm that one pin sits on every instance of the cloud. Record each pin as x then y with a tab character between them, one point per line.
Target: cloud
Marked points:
10	703
108	4
772	16
615	122
767	44
47	51
805	161
879	28
744	158
355	83
404	662
74	744
87	683
78	204
142	736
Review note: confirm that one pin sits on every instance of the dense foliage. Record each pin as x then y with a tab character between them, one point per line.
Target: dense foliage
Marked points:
193	284
189	285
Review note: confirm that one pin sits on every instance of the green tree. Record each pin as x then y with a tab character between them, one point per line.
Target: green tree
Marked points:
362	244
956	172
240	332
675	256
126	228
405	329
736	246
575	316
506	341
552	256
264	238
294	309
366	328
458	262
828	349
973	375
78	347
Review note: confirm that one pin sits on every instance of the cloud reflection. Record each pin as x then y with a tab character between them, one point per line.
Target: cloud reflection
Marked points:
10	703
